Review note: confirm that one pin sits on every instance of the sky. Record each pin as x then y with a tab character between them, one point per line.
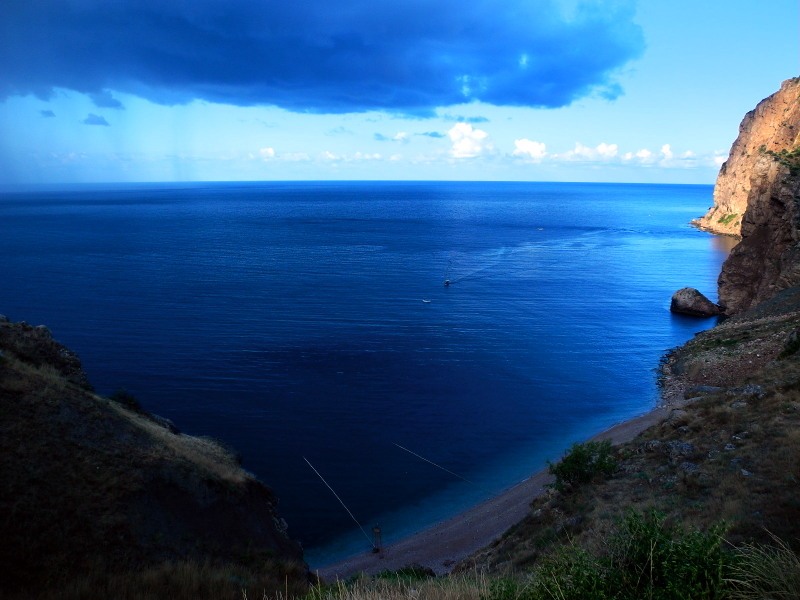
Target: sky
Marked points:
247	90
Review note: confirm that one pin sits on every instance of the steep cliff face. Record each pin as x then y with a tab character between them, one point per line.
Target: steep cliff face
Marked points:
761	182
97	485
773	126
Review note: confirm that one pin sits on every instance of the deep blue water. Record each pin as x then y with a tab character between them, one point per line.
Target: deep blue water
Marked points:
287	319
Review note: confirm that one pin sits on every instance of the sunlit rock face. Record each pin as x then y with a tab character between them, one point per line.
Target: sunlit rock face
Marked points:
773	126
761	182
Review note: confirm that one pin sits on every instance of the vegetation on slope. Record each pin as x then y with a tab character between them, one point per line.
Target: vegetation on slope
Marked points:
100	499
787	158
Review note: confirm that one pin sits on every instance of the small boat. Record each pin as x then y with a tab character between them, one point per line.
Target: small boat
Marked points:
426	301
446	283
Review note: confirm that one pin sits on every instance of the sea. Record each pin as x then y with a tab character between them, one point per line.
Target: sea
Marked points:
307	325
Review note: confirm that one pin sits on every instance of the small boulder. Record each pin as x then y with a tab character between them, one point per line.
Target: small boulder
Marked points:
688	301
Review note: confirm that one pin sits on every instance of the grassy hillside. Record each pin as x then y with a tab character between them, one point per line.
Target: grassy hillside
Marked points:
98	495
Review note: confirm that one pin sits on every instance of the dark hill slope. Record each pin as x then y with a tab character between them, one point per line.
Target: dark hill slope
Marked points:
95	488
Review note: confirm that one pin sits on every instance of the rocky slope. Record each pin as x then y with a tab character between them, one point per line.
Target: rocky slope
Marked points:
773	126
93	485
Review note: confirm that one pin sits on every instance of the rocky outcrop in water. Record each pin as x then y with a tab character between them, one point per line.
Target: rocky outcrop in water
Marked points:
689	301
766	131
760	185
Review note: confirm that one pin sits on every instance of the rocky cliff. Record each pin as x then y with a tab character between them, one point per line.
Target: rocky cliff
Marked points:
94	487
756	196
772	127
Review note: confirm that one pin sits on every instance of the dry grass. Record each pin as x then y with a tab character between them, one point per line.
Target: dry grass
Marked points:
20	377
199	451
771	571
465	586
175	581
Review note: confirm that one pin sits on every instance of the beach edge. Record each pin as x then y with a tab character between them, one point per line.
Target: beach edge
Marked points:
445	543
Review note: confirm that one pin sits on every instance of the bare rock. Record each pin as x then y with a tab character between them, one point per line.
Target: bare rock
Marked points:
688	301
679	449
791	345
757	195
773	126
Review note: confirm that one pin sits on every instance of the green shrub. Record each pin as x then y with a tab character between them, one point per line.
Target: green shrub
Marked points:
656	560
507	588
408	574
582	464
571	574
646	559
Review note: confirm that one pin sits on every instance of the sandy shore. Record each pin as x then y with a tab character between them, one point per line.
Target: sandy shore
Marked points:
442	545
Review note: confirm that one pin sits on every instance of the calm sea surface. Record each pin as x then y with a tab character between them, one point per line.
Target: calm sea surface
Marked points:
297	320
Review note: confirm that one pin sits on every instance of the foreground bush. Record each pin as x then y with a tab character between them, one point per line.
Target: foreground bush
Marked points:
646	559
582	464
403	585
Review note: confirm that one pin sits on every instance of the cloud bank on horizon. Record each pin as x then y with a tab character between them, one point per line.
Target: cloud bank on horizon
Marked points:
319	56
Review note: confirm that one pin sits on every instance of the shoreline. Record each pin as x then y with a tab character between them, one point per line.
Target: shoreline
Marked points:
445	543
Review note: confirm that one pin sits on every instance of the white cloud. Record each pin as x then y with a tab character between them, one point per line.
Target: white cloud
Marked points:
401	136
295	156
328	155
602	151
468	142
609	155
366	156
267	153
607	150
529	149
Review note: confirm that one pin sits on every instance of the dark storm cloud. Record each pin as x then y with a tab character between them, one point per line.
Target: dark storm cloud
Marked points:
104	99
317	55
460	119
93	119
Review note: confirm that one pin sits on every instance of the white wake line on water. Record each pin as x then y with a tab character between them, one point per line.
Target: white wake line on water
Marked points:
340	500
